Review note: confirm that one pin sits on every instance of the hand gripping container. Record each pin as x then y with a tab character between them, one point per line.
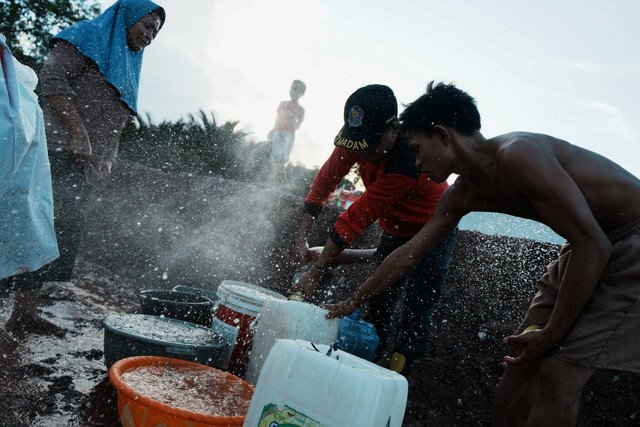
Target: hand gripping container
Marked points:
303	384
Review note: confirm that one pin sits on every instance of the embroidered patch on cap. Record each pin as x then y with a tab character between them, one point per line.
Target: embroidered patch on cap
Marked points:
355	116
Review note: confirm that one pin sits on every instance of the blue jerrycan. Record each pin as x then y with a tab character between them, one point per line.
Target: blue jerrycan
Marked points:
357	337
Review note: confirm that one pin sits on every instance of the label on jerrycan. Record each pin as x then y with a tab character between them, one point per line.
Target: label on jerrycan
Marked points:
288	417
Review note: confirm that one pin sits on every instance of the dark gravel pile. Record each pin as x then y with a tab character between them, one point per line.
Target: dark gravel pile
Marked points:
155	230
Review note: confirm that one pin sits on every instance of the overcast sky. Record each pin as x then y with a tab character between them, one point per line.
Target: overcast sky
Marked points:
567	68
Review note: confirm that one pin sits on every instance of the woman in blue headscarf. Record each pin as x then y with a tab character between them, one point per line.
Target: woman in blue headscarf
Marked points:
90	84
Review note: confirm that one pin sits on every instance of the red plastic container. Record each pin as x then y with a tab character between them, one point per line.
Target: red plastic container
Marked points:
240	305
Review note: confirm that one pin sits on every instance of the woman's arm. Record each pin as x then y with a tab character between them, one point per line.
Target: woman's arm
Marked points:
63	65
79	145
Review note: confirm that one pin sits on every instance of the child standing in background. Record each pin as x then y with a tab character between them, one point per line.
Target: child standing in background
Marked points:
288	120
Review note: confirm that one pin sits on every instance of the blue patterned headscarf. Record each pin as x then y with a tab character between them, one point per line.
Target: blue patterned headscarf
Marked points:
104	39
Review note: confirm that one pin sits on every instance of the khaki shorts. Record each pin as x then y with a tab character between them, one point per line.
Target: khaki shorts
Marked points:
281	146
606	334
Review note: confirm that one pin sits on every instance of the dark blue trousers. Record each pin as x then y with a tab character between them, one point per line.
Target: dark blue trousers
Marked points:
71	194
422	286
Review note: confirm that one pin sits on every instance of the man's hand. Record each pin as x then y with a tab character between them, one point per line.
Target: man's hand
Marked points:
528	346
307	282
301	252
303	255
80	148
314	253
107	166
341	309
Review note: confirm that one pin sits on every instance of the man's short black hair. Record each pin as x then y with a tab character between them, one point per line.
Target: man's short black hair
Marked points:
442	104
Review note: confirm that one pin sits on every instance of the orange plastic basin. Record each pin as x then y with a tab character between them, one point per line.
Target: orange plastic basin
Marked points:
156	390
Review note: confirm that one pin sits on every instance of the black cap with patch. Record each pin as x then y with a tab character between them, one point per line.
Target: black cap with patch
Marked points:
367	114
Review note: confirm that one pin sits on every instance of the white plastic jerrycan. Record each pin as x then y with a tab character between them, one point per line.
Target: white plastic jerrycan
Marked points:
290	320
311	385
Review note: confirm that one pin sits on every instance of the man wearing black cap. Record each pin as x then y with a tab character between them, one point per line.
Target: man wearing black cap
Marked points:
400	198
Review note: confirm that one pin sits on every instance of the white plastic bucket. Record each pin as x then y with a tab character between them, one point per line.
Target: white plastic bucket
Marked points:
239	305
303	386
290	320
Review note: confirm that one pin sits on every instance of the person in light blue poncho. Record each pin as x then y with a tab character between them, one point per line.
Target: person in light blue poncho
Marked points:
27	238
90	87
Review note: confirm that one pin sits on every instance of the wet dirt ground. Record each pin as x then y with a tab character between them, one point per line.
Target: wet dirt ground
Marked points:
153	230
63	382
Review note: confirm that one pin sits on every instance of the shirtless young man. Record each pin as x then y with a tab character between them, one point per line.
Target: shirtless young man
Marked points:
588	303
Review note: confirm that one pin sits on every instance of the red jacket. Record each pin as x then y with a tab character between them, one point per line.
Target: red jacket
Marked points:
397	194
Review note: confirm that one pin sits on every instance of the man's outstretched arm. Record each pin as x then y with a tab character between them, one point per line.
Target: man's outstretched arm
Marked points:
400	261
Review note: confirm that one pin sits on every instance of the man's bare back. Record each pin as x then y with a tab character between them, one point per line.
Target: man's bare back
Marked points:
611	193
586	309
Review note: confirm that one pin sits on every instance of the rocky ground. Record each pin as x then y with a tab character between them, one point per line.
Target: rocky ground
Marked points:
57	382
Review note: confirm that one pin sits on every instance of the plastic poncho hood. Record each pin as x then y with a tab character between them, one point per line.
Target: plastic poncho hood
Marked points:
104	40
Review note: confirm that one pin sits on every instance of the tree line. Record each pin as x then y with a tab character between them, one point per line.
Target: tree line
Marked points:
195	145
